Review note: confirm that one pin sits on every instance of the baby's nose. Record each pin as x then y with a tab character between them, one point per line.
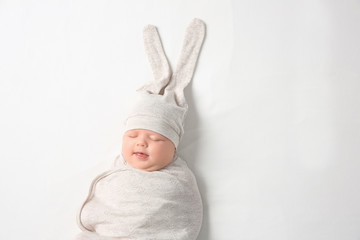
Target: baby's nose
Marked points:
141	143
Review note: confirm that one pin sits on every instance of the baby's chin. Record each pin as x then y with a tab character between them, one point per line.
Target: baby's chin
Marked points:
145	167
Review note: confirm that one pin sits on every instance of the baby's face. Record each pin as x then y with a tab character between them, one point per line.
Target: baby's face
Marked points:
147	150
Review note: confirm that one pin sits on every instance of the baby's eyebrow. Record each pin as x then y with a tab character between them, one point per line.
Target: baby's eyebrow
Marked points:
132	133
156	136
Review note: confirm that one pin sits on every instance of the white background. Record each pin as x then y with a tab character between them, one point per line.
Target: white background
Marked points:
272	134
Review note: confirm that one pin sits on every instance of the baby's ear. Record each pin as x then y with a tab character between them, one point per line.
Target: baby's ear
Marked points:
157	59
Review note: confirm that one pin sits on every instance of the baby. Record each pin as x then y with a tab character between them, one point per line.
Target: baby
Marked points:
151	194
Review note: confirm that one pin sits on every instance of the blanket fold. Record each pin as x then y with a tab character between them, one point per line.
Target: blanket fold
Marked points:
127	203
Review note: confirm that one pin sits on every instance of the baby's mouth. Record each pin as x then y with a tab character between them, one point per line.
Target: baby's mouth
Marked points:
141	156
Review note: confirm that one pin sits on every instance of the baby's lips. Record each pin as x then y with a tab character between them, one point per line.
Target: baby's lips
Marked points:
140	152
141	155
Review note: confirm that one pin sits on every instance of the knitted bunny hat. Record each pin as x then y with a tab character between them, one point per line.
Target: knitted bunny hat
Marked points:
160	105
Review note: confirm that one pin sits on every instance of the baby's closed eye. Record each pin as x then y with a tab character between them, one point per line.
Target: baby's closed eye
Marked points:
157	139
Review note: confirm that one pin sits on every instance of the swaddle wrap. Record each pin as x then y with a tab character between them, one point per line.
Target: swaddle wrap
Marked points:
127	203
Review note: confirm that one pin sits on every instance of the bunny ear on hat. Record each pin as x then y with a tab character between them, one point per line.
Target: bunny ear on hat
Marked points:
194	37
157	59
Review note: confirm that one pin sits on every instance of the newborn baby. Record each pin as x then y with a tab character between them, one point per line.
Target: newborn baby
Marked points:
151	193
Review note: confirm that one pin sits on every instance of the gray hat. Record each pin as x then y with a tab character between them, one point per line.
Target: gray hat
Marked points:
160	105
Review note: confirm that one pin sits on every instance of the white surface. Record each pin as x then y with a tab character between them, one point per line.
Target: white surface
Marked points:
273	131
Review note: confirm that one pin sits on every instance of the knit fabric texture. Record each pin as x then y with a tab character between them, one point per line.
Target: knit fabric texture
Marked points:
127	203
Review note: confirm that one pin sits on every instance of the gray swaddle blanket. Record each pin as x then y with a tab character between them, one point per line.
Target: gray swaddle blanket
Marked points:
127	203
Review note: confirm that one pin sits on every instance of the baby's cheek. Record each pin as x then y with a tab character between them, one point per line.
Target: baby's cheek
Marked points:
126	149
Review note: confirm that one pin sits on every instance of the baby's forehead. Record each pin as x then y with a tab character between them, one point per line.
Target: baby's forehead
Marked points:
143	131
